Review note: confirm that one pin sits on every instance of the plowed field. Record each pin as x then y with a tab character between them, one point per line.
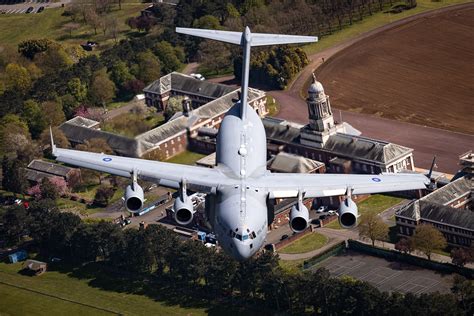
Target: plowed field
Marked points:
420	72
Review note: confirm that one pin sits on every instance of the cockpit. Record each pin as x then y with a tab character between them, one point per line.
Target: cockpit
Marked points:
242	236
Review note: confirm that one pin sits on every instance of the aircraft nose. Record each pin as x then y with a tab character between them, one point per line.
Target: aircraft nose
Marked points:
242	251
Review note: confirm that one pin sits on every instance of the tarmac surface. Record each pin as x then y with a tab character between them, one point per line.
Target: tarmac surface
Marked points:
386	275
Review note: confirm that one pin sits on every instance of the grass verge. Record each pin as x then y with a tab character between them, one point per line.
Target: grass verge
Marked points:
186	158
305	244
376	20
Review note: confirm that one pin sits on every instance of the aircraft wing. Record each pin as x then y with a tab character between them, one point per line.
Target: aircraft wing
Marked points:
284	185
166	174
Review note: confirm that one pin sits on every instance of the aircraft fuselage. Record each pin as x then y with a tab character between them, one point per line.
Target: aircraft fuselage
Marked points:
240	221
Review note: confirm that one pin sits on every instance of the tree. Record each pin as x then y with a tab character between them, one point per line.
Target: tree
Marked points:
215	56
77	89
149	67
53	113
207	22
404	245
49	190
16	222
372	227
120	73
17	78
103	195
30	48
102	90
92	18
60	139
14	177
461	256
167	55
33	115
463	289
175	104
428	239
54	59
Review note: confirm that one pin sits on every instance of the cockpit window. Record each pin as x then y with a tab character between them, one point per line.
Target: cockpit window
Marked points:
239	237
245	237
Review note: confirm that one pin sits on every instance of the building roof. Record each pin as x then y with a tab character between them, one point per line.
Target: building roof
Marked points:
188	85
284	162
36	176
120	144
34	264
449	192
49	167
434	206
365	148
82	121
344	145
447	215
208	161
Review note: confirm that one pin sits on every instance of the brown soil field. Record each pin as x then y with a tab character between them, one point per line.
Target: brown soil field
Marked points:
421	72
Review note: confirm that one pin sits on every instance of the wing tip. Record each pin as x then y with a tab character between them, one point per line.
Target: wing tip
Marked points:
53	146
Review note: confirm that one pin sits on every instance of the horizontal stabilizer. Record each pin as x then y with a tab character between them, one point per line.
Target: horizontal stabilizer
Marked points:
256	39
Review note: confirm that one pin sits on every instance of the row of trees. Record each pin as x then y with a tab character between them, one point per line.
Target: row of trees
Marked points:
155	256
426	239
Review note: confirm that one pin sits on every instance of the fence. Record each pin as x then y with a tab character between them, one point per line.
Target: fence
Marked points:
332	251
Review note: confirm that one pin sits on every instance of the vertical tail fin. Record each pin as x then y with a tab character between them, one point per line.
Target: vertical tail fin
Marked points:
246	39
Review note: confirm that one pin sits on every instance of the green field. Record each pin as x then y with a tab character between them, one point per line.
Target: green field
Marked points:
375	21
186	158
307	243
374	204
56	293
51	24
291	266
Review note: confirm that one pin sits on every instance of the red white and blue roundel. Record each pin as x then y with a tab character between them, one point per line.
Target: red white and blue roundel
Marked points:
375	179
107	159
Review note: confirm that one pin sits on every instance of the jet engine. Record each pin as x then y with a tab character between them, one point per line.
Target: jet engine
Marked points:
183	210
134	197
348	213
299	218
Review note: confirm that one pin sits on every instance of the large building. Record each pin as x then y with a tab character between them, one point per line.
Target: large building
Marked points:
450	209
338	145
210	102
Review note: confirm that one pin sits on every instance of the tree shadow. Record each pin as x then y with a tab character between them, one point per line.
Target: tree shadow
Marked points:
165	289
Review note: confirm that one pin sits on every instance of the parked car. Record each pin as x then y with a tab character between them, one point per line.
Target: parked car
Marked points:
198	77
322	217
283	237
332	213
29	10
40	9
322	209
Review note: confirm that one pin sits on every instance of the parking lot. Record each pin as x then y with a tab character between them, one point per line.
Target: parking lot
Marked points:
386	275
21	7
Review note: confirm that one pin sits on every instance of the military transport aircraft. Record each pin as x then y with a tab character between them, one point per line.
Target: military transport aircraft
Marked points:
240	190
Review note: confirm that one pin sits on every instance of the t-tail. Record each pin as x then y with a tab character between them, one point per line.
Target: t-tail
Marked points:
246	39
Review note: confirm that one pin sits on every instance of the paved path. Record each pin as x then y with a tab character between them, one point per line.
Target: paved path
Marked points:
190	68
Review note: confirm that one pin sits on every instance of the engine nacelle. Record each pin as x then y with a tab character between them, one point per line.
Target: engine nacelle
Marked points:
348	213
299	218
134	197
183	210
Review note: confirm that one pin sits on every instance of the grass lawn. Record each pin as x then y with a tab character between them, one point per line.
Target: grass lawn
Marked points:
291	266
272	106
374	204
373	22
186	158
307	243
51	24
56	293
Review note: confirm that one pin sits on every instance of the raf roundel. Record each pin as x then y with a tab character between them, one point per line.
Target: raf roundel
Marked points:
376	179
107	159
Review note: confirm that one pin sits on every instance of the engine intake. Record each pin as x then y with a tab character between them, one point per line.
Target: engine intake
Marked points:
183	210
134	197
348	213
299	218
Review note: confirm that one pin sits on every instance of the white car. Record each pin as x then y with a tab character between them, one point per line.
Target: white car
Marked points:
332	213
198	77
322	209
